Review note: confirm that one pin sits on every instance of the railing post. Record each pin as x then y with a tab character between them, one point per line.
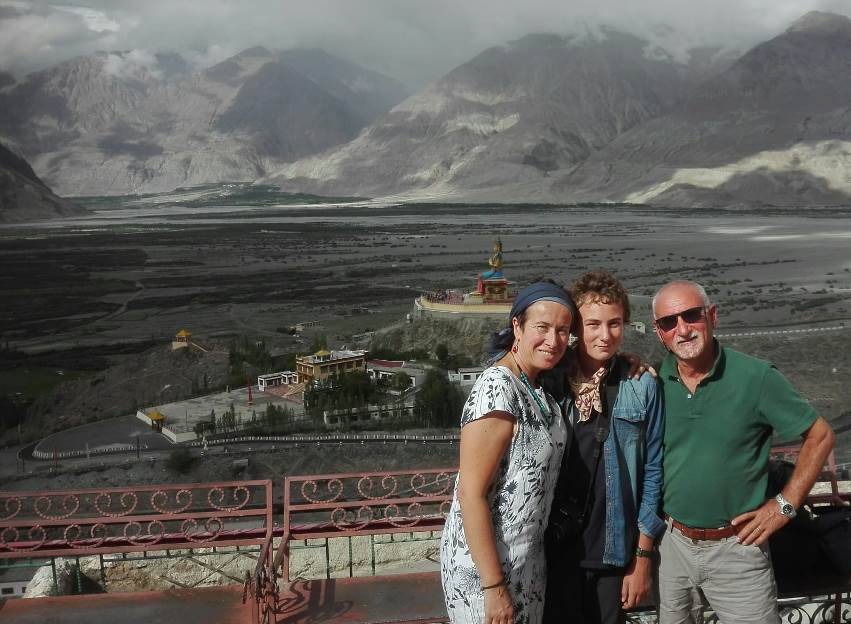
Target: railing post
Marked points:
55	579
78	575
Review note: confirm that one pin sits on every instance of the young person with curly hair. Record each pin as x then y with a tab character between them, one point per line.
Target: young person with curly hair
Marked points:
605	516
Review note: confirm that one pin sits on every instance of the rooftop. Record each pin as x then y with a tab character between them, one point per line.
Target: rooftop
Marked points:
330	356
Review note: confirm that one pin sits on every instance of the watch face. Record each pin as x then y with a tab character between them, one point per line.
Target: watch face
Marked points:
786	509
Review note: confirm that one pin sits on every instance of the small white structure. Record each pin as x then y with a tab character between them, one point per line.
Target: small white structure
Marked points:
14	581
175	436
386	369
338	418
271	380
638	326
300	327
465	376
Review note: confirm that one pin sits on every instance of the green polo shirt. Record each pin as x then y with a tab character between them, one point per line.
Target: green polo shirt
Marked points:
717	440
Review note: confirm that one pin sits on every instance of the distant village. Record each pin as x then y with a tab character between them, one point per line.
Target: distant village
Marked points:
343	388
333	389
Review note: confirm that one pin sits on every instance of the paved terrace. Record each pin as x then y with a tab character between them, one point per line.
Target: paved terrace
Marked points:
207	605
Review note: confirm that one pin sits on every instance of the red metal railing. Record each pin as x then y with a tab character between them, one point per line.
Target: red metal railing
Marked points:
260	589
112	520
350	504
345	505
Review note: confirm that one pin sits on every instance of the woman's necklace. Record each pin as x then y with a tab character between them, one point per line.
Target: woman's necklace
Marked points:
545	410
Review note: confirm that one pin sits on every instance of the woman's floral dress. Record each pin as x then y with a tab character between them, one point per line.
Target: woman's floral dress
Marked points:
520	500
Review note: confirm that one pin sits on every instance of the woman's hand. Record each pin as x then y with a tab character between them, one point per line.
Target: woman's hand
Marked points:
499	608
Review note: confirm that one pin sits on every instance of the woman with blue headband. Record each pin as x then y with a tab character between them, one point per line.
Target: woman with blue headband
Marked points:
512	438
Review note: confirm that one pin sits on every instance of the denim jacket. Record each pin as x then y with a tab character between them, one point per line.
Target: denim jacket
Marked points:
632	451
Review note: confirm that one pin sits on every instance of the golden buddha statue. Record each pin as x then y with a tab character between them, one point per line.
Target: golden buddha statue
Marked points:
495	261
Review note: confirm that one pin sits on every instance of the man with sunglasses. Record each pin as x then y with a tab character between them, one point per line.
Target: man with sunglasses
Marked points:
721	409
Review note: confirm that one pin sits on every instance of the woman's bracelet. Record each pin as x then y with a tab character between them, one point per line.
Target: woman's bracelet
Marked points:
500	584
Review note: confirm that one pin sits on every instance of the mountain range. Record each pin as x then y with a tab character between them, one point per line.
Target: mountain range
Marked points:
773	129
109	124
611	118
596	116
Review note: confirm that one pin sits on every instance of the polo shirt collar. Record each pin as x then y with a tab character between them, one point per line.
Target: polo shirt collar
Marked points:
720	360
670	371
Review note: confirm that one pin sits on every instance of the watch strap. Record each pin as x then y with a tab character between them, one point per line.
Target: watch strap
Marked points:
786	508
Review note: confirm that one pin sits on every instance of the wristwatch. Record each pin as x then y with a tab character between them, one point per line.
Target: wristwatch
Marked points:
786	508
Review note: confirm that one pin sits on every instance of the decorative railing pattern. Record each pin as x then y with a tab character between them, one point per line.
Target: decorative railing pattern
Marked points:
366	504
820	609
99	521
817	610
345	505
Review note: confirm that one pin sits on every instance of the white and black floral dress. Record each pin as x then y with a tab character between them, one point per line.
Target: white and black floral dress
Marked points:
520	500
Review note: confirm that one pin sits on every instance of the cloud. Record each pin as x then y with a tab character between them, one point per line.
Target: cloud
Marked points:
129	64
96	21
415	41
28	39
208	57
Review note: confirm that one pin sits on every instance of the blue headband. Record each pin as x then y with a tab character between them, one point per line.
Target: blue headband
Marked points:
542	291
539	291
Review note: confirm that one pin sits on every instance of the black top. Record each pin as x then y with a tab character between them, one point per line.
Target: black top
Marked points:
576	474
588	550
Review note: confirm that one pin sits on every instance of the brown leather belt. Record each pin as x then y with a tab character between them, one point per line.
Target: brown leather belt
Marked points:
704	534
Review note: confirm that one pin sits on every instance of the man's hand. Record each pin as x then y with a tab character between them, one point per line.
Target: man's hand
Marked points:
758	525
636	367
636	582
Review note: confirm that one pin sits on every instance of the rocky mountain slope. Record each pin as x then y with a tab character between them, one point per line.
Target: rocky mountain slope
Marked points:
24	197
510	116
121	389
774	128
106	123
367	93
612	118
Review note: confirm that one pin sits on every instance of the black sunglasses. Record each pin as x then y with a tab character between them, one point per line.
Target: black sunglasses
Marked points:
692	315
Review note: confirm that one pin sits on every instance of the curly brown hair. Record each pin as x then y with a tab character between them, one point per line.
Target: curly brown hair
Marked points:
602	287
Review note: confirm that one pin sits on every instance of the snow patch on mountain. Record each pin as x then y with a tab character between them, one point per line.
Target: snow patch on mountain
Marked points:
826	160
482	124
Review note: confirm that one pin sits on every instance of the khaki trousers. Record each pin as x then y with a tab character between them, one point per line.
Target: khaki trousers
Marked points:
736	581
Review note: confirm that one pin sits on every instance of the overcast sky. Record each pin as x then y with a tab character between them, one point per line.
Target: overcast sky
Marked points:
415	41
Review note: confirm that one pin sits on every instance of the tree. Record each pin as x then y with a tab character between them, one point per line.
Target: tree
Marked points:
400	381
441	352
320	342
228	420
438	402
344	391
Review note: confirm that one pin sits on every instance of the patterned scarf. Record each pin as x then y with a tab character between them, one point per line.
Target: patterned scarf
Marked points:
586	392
